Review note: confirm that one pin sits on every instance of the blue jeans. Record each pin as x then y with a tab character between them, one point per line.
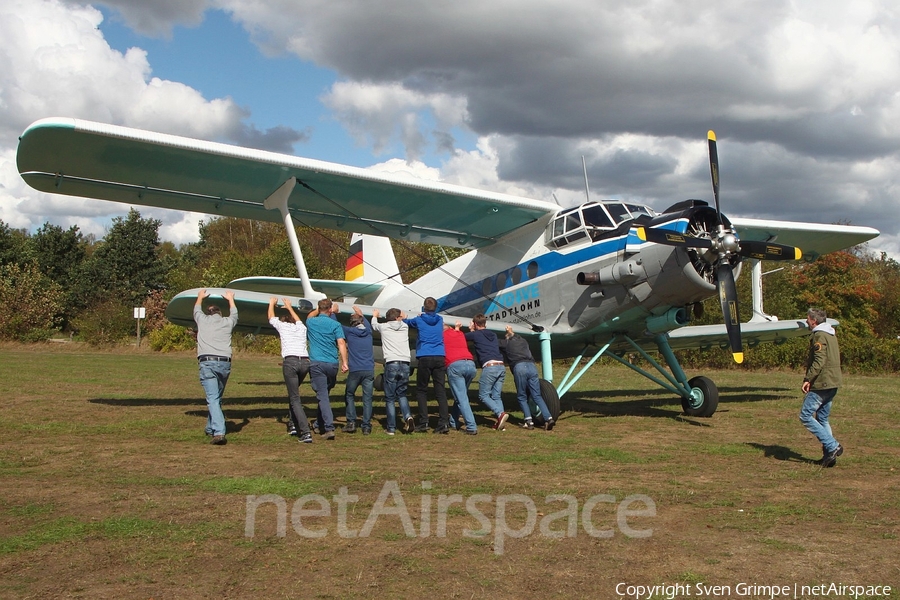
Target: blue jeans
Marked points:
490	386
814	415
354	380
295	370
213	377
322	377
396	382
460	374
528	384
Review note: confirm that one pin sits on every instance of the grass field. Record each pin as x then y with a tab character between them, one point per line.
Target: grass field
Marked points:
110	489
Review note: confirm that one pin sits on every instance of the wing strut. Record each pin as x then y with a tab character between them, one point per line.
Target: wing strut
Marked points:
278	199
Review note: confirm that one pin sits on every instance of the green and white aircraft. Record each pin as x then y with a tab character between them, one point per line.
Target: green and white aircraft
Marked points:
600	279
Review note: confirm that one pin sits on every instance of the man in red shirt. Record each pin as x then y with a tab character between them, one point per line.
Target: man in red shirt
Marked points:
460	373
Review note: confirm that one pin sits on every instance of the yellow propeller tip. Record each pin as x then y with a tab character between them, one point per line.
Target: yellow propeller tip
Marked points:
798	253
738	357
711	135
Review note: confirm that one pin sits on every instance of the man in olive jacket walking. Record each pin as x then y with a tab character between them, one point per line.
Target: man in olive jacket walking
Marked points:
823	377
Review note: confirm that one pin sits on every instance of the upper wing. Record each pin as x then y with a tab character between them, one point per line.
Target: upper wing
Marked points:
95	160
813	239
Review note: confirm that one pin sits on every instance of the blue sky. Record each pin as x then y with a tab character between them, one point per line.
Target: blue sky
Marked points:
803	96
218	59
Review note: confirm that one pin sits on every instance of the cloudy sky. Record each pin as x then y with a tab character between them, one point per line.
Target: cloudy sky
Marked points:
804	95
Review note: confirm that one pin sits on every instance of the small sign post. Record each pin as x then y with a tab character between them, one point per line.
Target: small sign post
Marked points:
139	313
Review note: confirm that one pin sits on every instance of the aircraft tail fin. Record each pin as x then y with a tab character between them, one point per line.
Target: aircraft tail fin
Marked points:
371	260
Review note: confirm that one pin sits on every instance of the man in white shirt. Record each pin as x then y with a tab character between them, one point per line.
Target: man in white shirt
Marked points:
294	363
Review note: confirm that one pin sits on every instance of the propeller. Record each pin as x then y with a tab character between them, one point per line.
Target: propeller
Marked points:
720	247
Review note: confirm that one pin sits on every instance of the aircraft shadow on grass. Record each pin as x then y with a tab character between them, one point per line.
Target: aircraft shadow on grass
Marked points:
655	403
589	403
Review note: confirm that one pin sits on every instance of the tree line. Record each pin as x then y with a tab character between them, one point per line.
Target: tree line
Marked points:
59	282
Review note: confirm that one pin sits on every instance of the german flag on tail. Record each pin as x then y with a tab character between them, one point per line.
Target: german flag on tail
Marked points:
355	268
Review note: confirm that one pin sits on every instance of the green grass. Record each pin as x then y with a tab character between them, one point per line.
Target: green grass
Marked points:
110	488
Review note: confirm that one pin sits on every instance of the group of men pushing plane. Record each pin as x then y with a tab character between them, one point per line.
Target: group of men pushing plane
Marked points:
321	347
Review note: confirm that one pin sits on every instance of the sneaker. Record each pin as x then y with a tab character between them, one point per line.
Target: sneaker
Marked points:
470	431
501	421
349	428
549	423
328	435
444	430
218	440
366	430
528	424
389	432
830	459
410	425
423	428
305	438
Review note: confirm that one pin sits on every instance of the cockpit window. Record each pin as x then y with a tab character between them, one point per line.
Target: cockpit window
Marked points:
637	209
618	211
567	228
595	216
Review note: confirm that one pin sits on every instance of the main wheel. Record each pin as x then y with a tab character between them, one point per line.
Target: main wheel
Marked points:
704	398
551	399
379	382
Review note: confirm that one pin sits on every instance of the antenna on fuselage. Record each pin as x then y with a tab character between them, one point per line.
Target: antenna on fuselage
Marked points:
587	190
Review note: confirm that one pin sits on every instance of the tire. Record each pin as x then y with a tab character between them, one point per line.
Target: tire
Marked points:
379	382
704	398
551	399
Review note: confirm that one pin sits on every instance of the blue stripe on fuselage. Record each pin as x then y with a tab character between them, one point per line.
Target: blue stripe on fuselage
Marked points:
547	264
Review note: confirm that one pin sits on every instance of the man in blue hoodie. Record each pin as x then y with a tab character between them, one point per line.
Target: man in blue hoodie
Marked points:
430	366
362	371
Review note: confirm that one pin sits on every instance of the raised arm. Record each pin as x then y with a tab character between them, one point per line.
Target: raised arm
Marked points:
200	296
290	309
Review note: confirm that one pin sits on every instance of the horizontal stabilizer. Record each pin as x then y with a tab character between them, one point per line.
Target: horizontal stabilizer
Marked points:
291	286
253	308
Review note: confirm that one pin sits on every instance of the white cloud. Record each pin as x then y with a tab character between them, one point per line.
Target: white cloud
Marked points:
377	114
55	62
803	94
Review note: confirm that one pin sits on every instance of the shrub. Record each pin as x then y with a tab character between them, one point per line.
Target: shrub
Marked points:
28	303
106	323
170	337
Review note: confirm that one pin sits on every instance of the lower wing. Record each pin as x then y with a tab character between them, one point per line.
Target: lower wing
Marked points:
754	333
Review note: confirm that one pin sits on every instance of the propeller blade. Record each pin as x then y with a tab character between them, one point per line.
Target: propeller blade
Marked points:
714	169
769	251
728	299
668	237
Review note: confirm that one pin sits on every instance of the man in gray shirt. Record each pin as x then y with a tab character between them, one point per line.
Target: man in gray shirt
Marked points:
214	357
